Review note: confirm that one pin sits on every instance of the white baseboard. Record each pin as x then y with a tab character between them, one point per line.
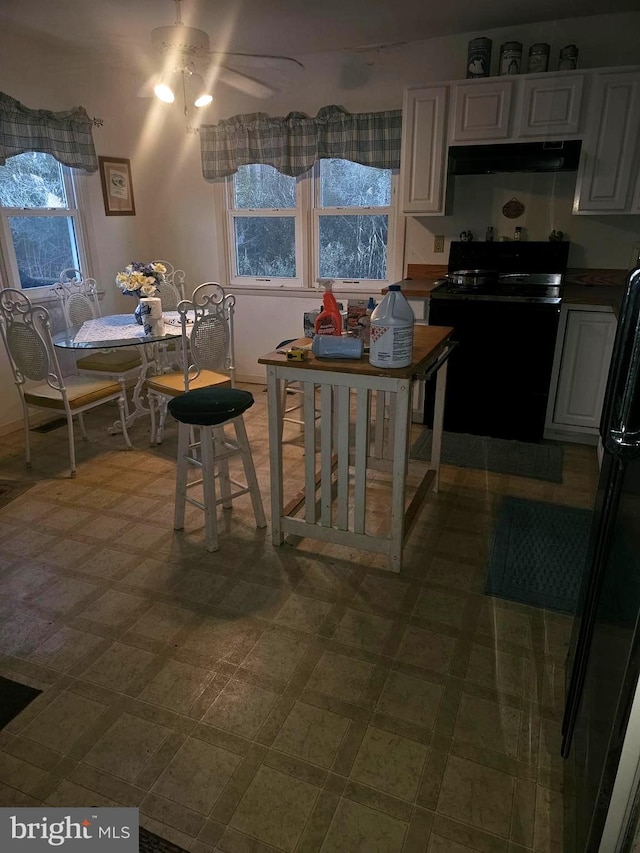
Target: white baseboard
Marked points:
571	437
251	378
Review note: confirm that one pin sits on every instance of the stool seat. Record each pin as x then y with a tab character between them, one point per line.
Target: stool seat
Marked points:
210	406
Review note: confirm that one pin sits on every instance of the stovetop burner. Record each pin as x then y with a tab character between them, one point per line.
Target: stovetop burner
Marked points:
520	287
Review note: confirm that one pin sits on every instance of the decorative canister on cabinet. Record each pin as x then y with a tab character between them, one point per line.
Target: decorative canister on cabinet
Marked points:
510	57
568	58
479	57
538	58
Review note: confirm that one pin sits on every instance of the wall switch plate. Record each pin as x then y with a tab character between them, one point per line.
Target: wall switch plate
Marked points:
438	243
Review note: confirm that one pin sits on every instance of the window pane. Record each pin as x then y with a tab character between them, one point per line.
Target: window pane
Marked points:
347	184
32	180
44	246
265	246
260	186
353	246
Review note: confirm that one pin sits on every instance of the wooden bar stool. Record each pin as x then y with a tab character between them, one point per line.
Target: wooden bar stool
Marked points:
210	410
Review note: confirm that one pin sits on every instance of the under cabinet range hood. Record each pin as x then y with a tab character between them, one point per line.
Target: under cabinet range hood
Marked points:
514	157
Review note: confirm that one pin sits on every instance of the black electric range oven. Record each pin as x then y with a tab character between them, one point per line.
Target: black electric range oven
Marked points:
503	300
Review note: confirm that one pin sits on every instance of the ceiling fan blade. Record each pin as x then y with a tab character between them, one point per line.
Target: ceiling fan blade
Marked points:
244	83
262	60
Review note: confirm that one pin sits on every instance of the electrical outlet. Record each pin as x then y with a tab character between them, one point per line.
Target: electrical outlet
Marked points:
438	243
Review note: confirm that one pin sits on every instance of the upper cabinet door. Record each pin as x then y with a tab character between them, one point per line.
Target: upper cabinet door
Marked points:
607	172
422	168
551	106
481	110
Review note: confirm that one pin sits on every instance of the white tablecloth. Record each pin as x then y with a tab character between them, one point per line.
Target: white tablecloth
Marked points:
120	327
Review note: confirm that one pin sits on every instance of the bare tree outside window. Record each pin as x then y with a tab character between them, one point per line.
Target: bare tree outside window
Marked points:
269	225
34	198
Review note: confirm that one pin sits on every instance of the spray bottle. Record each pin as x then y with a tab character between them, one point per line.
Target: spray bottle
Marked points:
329	320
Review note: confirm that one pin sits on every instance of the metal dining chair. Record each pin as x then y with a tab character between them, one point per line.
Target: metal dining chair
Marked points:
26	333
206	351
78	297
171	293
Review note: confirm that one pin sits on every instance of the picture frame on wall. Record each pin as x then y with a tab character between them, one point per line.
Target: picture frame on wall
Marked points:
117	187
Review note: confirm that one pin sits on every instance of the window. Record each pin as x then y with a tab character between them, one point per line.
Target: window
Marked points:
334	222
41	232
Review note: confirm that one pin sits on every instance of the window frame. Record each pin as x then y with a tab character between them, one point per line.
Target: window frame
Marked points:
10	272
308	212
296	213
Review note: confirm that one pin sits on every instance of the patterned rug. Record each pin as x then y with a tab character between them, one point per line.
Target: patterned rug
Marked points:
539	554
500	455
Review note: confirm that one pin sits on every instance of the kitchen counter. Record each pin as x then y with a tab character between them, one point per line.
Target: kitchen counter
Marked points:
582	286
594	287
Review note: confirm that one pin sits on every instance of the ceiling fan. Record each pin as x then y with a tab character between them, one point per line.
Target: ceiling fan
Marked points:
185	52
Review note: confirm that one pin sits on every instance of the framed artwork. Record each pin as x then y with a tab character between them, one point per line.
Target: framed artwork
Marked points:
117	189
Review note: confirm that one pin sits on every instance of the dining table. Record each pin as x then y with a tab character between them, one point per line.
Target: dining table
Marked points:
359	457
122	330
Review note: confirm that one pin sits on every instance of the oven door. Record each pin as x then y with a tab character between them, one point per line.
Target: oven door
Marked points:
500	372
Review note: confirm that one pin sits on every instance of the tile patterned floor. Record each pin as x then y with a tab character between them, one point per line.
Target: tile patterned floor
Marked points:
289	699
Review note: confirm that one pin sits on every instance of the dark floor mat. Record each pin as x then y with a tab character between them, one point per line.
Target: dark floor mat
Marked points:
539	554
14	697
150	843
500	455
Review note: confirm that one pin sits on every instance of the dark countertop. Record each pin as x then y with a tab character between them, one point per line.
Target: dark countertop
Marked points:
581	286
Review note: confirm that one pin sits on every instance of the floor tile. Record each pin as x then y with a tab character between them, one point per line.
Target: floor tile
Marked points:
364	630
196	775
118	667
340	676
275	808
390	763
241	708
412	699
359	829
477	795
312	734
275	656
426	648
488	725
303	613
63	721
176	686
496	669
125	748
437	606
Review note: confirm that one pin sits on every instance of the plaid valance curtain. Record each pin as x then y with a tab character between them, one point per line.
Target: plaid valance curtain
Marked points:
294	142
66	135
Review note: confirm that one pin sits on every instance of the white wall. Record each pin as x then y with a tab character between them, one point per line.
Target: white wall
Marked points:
596	241
175	206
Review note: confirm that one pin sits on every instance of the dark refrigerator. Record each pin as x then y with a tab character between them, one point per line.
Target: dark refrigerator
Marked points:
601	725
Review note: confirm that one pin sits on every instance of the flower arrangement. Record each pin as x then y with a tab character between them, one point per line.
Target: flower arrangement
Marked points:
141	279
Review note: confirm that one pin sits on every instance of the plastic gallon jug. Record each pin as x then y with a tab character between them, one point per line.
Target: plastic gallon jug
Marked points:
391	343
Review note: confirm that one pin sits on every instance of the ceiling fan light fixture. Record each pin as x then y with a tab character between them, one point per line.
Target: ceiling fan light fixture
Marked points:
199	95
164	92
203	100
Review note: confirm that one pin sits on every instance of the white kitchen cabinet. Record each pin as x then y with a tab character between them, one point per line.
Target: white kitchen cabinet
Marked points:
608	169
550	105
481	110
423	149
580	370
